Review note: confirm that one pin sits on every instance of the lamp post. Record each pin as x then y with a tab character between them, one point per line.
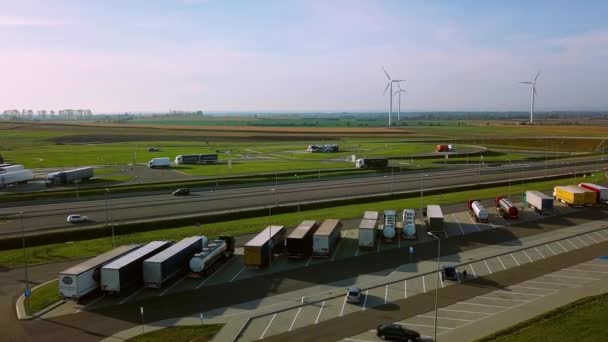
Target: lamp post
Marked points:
107	192
437	280
422	175
276	197
27	281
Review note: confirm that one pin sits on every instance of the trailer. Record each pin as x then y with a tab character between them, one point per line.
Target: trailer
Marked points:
163	162
390	225
84	278
258	252
589	195
570	196
11	168
333	148
371	163
70	176
538	201
17	177
367	233
601	192
210	158
371	215
409	224
126	273
298	244
326	238
172	262
506	209
478	211
212	257
434	219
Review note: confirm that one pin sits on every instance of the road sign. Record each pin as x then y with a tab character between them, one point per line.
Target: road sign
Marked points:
27	293
411	250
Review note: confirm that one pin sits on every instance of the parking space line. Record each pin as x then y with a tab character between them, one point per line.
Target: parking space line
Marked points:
477	304
487	266
516	262
562	247
546	283
532	288
571	277
460	227
570	242
473	271
385	294
440	279
526	254
365	300
581	240
428	326
509	299
294	319
172	285
319	314
132	295
591	238
551	249
379	242
474	223
501	263
354	340
538	251
241	271
573	270
423	285
310	259
268	326
457	277
465	311
450	319
520	293
405	289
92	302
333	257
357	252
600	235
343	305
212	274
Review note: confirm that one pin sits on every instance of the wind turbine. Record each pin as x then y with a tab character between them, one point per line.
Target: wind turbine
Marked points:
390	85
399	91
533	91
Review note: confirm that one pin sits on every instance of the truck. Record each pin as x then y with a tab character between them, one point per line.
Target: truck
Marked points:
211	158
17	177
172	262
590	195
478	211
70	176
258	251
434	218
409	224
371	163
212	257
569	196
538	201
444	148
371	215
367	233
505	207
84	278
601	192
333	148
163	162
126	273
390	224
298	244
326	238
11	168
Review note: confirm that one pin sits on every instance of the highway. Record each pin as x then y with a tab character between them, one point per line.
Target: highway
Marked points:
124	209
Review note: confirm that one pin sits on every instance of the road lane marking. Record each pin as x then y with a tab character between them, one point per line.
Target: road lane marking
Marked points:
294	319
132	295
571	277
562	247
473	271
551	249
343	305
517	262
365	300
501	263
539	253
581	240
236	275
423	285
319	314
172	286
268	326
547	283
487	266
333	257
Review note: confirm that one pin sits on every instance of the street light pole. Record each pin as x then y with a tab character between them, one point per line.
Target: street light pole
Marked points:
107	204
27	281
437	279
421	194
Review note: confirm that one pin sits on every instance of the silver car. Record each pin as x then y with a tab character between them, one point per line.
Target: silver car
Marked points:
353	295
77	219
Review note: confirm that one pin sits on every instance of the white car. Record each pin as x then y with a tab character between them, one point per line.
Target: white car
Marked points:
77	218
353	295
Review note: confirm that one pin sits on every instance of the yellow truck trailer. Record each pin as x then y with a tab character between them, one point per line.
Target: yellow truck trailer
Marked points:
571	196
590	195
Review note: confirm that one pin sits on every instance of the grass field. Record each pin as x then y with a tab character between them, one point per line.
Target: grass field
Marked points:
63	251
583	320
43	297
195	333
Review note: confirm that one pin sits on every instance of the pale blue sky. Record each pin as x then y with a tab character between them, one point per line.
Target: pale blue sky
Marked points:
221	55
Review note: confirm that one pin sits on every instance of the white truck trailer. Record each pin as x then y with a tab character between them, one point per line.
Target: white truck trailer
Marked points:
16	177
164	266
11	168
163	162
367	233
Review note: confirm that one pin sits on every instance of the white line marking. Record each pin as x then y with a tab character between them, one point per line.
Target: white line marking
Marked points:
268	326
357	252
573	270
477	304
319	314
333	257
457	277
487	266
92	302
172	286
532	288
379	242
386	294
423	285
560	276
501	263
546	283
212	274
473	271
519	293
294	319
459	227
474	223
581	240
600	235
551	249
473	312
405	289
427	326
539	253
451	319
365	300
132	295
562	247
493	298
573	245
591	238
309	260
354	340
440	280
517	262
241	271
343	305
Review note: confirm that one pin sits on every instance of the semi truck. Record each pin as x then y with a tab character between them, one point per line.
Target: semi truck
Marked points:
371	163
11	168
173	261
298	244
434	219
326	238
506	208
84	278
70	176
17	177
367	233
390	224
590	195
478	211
211	158
126	273
538	201
323	148
259	250
409	224
570	196
371	215
601	192
212	257
163	162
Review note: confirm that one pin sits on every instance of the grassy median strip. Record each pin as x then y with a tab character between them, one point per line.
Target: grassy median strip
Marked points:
196	333
582	320
63	251
42	297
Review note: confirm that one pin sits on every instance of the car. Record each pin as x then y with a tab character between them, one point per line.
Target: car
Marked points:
394	331
74	218
153	149
181	192
449	273
353	295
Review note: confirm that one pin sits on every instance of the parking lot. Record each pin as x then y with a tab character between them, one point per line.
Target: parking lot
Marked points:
454	316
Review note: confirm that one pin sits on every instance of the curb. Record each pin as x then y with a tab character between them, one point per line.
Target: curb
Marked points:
20	307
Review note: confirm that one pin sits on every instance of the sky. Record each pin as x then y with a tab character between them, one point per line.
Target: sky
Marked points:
308	55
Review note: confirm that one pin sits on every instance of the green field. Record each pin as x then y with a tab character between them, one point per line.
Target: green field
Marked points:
43	297
195	333
63	251
583	320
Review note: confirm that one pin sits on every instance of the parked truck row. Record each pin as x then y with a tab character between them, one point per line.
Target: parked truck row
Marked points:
14	174
581	195
192	159
401	225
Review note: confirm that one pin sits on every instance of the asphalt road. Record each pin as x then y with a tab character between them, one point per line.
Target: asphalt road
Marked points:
124	209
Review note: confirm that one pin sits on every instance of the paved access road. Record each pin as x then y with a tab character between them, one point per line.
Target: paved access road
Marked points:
53	216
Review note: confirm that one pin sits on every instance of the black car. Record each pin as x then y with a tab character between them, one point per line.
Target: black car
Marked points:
397	332
181	192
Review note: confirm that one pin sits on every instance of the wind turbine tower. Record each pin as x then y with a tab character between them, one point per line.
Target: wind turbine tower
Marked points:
399	91
533	94
390	85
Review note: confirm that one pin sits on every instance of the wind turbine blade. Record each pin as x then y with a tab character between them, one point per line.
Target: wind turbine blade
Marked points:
526	82
386	73
385	89
535	92
396	92
536	77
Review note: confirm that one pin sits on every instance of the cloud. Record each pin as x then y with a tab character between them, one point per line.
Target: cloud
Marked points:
22	21
580	47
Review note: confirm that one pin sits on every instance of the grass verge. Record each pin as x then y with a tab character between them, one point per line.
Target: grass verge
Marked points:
582	320
42	297
63	251
197	333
